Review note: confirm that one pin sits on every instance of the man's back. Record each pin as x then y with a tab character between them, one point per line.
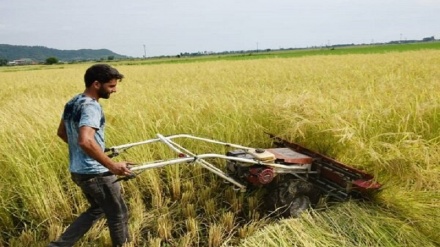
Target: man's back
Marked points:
80	111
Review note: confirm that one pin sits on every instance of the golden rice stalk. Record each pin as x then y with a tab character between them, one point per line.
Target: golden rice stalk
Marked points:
189	210
155	242
252	203
192	226
228	221
175	188
187	241
210	207
247	229
164	227
187	197
215	235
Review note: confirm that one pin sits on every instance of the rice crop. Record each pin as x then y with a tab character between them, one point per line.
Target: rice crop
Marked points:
375	112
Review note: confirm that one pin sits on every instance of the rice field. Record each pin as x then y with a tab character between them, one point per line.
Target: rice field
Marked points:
376	112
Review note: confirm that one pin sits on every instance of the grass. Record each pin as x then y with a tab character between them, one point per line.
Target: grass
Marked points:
350	224
376	112
292	53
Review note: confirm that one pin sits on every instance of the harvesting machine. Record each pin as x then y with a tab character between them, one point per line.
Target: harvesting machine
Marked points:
294	177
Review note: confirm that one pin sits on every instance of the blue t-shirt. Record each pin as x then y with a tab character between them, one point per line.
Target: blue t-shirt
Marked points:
80	111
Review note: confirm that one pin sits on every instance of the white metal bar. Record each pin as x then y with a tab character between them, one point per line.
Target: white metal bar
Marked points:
179	149
147	166
205	156
168	143
204	162
128	145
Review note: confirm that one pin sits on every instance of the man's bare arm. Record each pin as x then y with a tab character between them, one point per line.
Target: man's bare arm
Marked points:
87	142
62	131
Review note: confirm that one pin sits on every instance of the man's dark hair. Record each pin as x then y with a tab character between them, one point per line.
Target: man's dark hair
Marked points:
102	73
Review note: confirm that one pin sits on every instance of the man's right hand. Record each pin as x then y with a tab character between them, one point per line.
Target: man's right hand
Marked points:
120	168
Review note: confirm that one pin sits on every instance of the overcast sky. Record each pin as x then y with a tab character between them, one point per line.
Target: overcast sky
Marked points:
169	27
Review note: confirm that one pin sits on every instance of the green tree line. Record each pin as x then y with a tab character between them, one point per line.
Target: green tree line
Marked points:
41	53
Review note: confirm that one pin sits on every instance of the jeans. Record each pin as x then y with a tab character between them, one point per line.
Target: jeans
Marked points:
105	199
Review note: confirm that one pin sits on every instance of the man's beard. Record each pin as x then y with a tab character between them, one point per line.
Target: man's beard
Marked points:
103	94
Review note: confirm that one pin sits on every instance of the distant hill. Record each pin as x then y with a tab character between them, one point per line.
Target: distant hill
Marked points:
41	53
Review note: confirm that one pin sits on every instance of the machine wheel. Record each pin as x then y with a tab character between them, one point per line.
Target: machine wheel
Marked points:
289	198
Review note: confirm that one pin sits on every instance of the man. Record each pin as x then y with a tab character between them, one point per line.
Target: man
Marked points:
82	128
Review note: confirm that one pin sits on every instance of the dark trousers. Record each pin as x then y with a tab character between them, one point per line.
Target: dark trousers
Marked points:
106	200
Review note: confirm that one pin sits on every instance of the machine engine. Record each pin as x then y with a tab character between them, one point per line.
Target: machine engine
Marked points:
296	178
251	174
289	162
288	191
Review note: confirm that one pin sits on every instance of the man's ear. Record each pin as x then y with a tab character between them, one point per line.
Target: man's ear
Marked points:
96	84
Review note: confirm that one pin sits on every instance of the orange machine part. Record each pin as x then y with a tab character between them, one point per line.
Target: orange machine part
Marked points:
288	156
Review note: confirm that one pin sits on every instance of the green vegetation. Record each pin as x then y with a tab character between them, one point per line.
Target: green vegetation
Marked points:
41	53
343	50
51	60
377	111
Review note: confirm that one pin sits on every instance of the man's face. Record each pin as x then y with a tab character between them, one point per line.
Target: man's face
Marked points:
108	88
